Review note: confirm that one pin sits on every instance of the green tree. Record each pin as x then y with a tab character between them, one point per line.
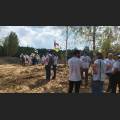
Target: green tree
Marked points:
11	44
107	39
88	33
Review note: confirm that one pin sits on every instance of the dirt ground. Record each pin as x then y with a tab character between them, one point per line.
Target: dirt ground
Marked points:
15	78
30	79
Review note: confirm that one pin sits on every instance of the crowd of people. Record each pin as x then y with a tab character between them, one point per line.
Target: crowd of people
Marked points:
29	59
79	66
101	67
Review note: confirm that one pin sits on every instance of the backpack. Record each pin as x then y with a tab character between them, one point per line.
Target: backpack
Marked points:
51	60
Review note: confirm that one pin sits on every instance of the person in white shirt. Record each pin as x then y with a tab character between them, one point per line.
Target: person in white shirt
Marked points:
86	61
74	72
98	75
116	74
22	59
37	58
55	57
109	64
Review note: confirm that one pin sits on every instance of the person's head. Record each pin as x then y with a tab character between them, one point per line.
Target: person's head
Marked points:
49	51
76	53
99	55
119	56
110	55
85	53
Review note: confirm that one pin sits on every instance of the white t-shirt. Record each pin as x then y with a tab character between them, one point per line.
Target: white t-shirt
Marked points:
74	69
46	59
109	62
85	61
43	59
116	65
100	75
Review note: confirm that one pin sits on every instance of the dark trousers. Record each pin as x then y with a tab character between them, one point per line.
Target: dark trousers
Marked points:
110	81
74	84
97	87
54	71
48	72
86	76
115	82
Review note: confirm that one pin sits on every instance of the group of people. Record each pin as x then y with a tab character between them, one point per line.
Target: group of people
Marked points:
79	66
29	59
110	67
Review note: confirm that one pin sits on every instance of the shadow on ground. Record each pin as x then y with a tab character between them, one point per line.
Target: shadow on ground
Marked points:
38	83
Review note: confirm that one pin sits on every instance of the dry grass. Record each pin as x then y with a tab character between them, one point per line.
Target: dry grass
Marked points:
15	78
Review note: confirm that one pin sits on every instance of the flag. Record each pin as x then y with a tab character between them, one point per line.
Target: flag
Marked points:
56	44
56	49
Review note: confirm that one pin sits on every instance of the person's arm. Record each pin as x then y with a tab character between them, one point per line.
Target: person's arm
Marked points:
46	59
108	66
95	70
68	63
70	66
90	61
115	68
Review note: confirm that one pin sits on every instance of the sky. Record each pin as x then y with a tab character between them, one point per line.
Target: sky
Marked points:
39	36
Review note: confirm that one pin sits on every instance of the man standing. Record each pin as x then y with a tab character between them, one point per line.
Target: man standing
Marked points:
86	61
109	64
55	57
48	63
98	75
74	72
116	75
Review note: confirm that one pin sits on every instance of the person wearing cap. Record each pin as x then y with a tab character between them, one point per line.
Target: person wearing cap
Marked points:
116	74
109	64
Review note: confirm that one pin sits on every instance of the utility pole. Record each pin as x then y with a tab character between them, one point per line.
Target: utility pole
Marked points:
66	55
94	36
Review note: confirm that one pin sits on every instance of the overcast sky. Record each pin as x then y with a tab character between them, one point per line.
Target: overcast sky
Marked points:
39	37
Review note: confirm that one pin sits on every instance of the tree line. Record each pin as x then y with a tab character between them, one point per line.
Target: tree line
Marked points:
102	38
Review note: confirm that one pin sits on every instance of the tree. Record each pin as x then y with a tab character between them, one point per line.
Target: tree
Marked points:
108	37
11	44
106	45
88	33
